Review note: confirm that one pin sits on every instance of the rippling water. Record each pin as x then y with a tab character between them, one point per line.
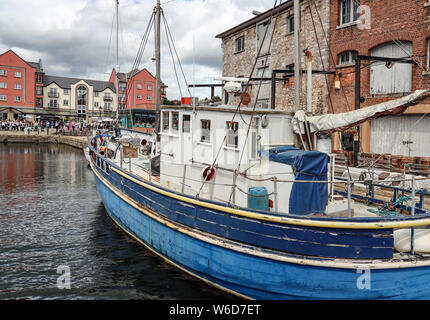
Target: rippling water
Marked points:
52	216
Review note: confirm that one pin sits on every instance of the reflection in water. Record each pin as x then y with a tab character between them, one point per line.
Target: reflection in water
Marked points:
51	215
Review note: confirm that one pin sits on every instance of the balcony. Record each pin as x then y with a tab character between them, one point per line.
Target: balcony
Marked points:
107	98
52	94
52	105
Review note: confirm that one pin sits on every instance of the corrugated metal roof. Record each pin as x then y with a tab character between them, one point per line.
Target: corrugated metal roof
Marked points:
65	83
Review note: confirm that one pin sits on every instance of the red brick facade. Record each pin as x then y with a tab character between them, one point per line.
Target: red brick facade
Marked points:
18	82
390	20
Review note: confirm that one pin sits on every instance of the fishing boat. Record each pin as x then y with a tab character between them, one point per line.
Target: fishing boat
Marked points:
238	198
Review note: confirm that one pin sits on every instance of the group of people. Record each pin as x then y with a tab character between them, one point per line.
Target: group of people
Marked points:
54	126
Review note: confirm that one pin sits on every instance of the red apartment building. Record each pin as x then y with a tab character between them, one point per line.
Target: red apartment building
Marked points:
137	98
390	29
21	84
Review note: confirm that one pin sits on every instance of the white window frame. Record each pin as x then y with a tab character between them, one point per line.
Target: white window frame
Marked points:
351	59
206	135
148	97
148	87
3	97
352	13
66	91
3	72
139	97
165	121
3	85
17	74
18	86
139	86
232	134
239	44
17	98
65	102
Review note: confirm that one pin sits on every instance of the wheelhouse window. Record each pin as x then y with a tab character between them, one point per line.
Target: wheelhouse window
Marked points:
165	121
186	123
205	126
232	139
240	44
175	121
347	57
349	11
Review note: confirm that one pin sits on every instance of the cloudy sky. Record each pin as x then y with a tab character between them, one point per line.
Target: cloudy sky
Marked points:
75	38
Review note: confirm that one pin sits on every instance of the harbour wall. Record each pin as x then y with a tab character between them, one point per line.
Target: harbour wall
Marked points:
19	137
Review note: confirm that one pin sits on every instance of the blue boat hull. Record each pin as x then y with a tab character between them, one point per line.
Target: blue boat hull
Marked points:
256	272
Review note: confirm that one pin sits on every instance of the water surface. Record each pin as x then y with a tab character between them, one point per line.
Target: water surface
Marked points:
52	220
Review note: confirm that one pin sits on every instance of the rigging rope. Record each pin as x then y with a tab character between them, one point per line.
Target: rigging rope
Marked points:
240	102
176	53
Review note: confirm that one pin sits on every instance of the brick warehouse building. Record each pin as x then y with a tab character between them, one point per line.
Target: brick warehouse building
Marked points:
398	29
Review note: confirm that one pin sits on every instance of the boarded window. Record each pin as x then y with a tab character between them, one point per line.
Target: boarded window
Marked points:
388	77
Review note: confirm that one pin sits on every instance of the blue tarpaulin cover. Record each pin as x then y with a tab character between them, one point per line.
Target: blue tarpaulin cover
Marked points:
305	198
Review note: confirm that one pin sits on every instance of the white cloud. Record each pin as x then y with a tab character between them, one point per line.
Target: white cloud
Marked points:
72	37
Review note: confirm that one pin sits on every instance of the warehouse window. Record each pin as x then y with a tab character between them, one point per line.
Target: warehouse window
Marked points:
240	44
347	57
349	11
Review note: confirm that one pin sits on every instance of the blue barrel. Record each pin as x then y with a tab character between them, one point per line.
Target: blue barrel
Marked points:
258	198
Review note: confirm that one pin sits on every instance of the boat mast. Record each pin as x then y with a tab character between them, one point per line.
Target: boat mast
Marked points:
297	59
157	67
117	60
117	25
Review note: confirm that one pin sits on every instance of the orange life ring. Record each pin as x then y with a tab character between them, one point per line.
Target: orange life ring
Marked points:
102	150
208	173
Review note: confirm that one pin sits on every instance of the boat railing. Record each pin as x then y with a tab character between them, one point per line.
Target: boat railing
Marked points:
399	193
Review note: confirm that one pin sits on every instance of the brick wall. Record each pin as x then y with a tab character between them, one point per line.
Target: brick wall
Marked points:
405	21
282	54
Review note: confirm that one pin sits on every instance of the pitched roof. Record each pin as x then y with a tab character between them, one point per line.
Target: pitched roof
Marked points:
36	65
65	83
279	8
